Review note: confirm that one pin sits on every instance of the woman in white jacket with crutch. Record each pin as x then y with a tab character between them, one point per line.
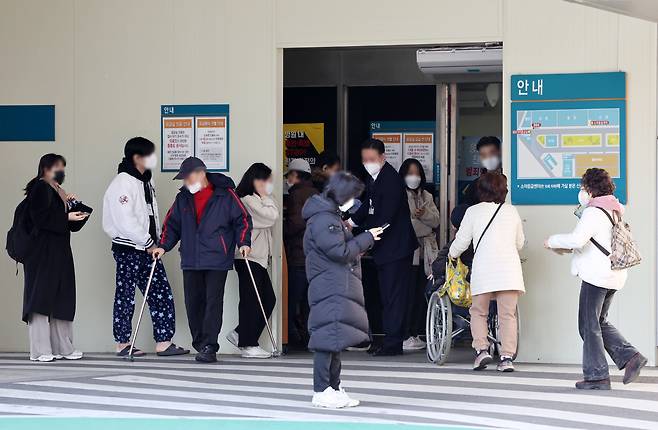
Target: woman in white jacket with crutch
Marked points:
496	232
255	191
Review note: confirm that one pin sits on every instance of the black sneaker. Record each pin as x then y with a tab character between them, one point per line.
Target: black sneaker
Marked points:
601	384
206	355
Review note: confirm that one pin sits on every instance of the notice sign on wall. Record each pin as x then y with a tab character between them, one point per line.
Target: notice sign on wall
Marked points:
561	126
195	130
177	141
305	140
392	146
407	139
421	147
211	141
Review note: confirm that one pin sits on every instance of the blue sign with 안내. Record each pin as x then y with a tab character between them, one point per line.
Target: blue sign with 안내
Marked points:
201	131
563	124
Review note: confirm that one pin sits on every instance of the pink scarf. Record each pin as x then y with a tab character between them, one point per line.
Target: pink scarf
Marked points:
608	202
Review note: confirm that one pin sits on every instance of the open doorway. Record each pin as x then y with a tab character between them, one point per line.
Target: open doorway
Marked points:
355	93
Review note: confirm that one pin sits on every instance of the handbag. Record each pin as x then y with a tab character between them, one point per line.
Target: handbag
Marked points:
456	285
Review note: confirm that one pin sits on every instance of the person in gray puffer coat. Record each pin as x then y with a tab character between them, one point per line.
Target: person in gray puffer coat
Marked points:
337	316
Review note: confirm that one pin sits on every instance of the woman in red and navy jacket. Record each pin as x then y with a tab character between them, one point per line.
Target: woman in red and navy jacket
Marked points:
210	221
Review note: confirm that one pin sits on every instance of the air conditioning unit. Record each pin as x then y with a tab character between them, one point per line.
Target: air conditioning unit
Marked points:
460	60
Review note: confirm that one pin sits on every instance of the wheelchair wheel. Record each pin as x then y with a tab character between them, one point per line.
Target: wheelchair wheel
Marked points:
439	328
494	328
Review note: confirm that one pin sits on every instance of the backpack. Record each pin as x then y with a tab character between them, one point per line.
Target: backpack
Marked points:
20	236
624	252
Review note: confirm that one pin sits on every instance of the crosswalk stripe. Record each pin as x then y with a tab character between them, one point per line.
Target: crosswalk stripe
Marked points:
356	364
260	400
168	405
55	411
490	407
480	377
570	397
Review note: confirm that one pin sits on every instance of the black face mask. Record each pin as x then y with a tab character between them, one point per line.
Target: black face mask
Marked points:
59	177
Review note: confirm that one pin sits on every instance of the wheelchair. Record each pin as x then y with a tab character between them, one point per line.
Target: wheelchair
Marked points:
440	322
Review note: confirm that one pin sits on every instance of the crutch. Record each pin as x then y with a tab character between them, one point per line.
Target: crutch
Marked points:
141	312
275	352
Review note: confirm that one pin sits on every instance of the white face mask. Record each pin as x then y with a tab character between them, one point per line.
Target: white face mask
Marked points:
413	181
372	168
584	197
491	163
269	187
151	161
194	188
347	205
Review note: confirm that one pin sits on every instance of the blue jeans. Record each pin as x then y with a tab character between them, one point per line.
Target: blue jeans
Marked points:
598	334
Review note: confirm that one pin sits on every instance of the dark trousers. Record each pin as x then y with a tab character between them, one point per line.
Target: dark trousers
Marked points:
133	269
326	370
393	284
414	321
297	305
204	303
598	334
250	316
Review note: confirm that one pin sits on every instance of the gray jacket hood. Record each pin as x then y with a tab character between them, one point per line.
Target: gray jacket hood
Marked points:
317	204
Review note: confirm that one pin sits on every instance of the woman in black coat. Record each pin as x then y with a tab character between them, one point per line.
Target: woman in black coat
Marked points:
49	293
337	317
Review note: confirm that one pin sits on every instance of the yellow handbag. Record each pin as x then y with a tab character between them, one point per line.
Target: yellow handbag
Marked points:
456	285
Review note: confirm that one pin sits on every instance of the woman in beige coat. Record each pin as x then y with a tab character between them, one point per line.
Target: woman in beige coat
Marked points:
425	220
496	273
255	192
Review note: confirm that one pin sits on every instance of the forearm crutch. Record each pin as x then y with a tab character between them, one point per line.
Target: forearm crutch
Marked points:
275	352
141	312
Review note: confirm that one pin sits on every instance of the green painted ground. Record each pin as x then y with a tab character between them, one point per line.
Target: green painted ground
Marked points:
50	423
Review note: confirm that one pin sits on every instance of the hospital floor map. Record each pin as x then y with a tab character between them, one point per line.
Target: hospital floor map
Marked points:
563	143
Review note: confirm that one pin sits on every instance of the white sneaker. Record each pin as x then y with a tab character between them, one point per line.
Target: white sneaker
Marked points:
350	401
414	343
254	352
330	399
45	358
233	338
75	355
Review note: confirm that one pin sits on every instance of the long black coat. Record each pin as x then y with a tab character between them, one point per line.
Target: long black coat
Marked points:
49	273
337	317
387	197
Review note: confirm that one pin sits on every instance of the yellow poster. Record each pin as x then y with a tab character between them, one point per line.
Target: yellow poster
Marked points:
304	140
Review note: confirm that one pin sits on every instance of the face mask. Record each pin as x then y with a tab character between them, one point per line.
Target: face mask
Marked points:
194	188
584	198
269	187
59	177
347	205
413	181
150	162
372	168
491	163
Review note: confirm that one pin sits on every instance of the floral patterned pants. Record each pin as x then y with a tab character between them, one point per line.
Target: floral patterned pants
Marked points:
132	272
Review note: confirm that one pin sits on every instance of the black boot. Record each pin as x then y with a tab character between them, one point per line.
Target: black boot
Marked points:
206	355
601	384
633	368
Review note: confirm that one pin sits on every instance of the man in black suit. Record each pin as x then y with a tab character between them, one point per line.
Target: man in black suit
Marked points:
386	203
